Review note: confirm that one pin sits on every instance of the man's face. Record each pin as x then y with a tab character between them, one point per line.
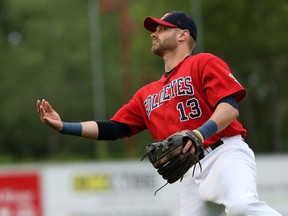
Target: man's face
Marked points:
163	40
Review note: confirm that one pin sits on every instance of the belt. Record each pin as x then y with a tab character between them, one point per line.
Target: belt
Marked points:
211	148
216	145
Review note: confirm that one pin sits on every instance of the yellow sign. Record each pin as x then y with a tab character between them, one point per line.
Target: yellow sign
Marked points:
92	183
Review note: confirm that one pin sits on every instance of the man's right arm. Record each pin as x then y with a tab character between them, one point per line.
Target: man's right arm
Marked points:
90	129
101	130
87	129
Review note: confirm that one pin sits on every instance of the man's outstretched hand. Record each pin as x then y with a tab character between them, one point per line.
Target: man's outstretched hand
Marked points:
48	115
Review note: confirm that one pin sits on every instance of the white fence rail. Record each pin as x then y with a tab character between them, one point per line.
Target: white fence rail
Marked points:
114	188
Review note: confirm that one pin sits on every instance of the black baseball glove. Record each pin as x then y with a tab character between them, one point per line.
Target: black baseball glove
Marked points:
169	160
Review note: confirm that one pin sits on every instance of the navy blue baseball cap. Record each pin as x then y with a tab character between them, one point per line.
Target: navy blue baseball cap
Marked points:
173	19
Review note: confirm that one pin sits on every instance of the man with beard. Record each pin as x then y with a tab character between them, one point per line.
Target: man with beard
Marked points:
197	93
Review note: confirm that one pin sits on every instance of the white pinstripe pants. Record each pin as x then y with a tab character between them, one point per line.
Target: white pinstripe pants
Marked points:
226	185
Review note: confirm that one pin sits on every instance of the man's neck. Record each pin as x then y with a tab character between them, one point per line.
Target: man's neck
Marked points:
171	60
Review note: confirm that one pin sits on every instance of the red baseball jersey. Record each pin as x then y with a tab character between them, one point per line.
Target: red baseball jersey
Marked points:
185	99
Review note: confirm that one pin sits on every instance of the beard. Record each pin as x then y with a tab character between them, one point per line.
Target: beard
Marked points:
160	47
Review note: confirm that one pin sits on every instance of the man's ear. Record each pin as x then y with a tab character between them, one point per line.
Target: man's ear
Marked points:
183	35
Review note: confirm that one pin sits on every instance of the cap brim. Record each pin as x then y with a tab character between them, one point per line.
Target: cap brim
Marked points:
151	23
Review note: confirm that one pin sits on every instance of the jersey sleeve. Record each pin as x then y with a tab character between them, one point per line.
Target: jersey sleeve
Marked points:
131	114
218	82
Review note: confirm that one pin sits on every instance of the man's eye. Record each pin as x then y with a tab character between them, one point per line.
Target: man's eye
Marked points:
161	29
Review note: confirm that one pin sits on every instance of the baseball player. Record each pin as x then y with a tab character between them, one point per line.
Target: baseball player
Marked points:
197	93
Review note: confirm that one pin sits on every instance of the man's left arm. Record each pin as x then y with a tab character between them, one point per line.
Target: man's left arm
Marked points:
223	115
225	112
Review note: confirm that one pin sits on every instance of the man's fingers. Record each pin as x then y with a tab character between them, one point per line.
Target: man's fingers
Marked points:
42	103
38	106
189	147
42	113
48	107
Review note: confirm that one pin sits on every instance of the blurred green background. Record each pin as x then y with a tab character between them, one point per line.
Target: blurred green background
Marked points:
87	58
